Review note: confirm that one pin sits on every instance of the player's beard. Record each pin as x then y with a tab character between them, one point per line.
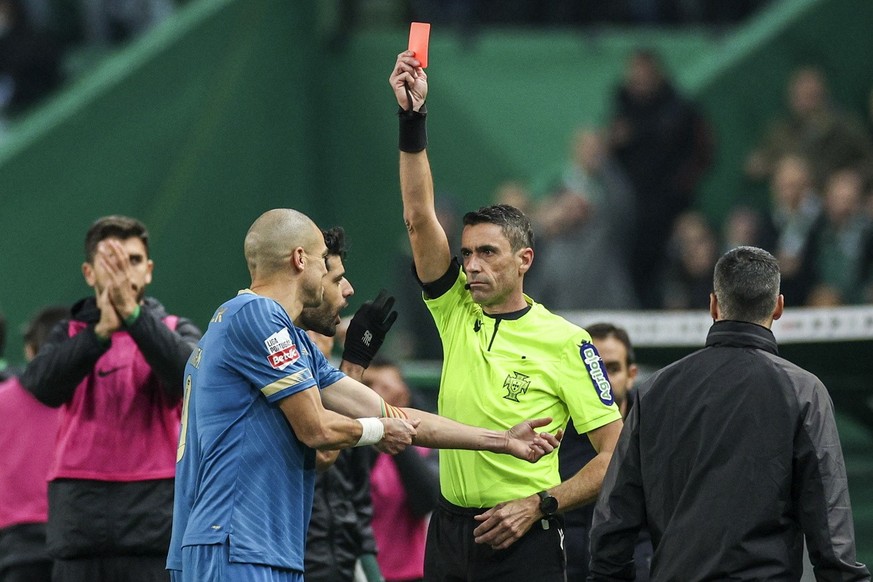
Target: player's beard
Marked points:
318	320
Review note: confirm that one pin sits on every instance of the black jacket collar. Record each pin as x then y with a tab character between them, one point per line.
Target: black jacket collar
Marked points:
741	334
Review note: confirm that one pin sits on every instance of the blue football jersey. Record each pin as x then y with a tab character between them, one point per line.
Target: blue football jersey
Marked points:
241	473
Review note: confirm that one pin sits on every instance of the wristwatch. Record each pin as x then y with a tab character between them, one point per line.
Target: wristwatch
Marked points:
548	504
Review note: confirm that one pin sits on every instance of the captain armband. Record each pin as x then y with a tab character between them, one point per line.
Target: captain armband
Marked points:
389	411
372	431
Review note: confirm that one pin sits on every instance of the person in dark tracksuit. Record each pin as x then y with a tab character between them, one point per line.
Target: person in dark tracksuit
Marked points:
730	456
115	370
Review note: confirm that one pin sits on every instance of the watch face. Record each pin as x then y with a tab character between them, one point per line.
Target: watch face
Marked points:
548	505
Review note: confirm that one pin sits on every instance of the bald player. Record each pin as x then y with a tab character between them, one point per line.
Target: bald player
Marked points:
260	398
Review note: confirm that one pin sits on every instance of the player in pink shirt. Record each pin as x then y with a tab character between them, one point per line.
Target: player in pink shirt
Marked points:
27	440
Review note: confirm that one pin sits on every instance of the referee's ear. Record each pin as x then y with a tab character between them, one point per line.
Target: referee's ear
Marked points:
525	260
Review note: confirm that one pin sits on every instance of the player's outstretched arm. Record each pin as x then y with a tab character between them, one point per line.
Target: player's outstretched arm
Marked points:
351	398
430	246
324	429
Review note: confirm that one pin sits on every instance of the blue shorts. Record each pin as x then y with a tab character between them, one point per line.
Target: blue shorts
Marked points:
213	563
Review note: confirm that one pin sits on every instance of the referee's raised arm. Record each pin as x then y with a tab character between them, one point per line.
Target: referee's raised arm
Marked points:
430	245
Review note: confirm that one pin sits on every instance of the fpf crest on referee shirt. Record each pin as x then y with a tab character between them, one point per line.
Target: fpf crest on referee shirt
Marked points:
515	385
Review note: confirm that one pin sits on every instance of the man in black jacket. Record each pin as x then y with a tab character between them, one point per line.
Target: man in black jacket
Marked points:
115	369
340	530
730	456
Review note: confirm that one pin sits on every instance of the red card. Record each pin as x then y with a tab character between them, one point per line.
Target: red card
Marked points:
419	34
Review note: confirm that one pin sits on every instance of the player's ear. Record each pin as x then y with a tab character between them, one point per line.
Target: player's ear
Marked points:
89	274
298	259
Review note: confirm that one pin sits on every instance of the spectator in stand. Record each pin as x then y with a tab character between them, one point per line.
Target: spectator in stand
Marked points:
815	129
115	370
664	144
693	253
742	227
29	61
515	193
115	21
841	242
415	335
585	218
404	487
795	210
27	442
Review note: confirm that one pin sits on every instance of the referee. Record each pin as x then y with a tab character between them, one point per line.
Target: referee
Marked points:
506	358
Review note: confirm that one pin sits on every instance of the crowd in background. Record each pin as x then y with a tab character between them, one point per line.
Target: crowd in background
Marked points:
43	43
635	182
623	203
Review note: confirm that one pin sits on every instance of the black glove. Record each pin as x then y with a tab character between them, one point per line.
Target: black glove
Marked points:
368	329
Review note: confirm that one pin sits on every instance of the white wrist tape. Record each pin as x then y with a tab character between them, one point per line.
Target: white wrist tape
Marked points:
373	431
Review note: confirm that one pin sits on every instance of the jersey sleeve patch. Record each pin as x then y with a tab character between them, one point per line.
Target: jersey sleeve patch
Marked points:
597	372
281	350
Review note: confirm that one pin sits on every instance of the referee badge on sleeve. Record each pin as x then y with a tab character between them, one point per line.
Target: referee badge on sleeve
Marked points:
597	372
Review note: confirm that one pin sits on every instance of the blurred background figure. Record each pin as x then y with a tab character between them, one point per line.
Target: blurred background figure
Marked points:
814	128
584	221
415	335
693	251
794	216
115	21
840	243
404	487
29	61
27	442
664	144
515	193
742	227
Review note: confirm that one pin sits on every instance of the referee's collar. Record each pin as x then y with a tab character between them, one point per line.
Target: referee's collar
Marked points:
512	315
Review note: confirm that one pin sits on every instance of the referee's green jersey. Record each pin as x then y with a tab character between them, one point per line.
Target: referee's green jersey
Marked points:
499	372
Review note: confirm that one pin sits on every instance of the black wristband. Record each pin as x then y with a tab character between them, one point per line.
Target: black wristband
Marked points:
413	130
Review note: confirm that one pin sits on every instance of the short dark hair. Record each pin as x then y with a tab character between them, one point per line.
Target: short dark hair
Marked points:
38	329
512	222
599	331
115	226
746	284
335	241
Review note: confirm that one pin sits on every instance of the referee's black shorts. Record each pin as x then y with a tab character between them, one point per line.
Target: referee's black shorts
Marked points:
451	554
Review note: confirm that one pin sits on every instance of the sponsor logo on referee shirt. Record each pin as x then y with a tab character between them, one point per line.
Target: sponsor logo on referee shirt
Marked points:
594	365
281	351
515	385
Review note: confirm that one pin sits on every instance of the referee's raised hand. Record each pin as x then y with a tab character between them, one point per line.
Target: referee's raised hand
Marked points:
408	80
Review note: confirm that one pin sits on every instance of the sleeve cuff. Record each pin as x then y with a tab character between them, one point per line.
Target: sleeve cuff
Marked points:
131	319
